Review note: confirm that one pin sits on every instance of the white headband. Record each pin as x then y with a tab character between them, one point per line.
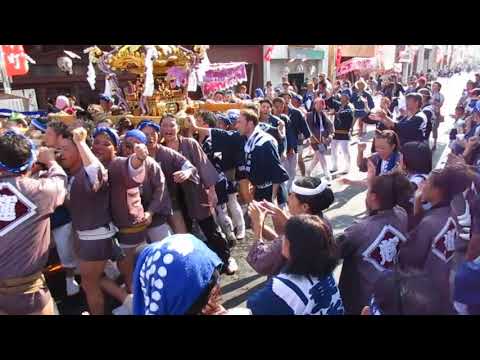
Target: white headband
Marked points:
309	192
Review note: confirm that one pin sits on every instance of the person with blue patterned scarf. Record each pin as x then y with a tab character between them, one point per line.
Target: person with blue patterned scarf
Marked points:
305	286
178	276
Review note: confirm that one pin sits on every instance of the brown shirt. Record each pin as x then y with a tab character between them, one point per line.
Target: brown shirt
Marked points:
172	161
25	208
431	247
196	194
154	192
89	203
125	200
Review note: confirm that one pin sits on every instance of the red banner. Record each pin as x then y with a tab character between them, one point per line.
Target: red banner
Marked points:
360	64
15	60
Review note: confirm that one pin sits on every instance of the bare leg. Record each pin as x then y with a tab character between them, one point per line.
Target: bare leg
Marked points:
301	163
49	309
237	215
127	266
92	272
112	289
177	222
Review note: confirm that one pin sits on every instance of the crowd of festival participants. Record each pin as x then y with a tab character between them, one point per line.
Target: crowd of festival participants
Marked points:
148	214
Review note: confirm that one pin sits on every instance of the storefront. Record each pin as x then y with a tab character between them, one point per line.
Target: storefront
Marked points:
298	63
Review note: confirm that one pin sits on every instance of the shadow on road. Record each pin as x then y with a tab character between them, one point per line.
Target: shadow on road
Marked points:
341	197
235	301
239	283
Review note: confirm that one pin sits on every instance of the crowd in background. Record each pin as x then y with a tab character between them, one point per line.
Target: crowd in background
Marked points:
148	213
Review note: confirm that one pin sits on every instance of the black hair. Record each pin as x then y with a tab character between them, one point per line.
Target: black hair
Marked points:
407	292
392	189
452	180
59	127
417	157
15	150
124	123
266	101
209	118
316	203
439	85
416	96
389	135
277	100
312	249
197	307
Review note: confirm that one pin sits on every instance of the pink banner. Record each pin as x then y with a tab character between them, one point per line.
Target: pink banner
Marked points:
223	76
354	64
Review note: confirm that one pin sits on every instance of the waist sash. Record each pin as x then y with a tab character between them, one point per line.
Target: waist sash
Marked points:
23	285
104	232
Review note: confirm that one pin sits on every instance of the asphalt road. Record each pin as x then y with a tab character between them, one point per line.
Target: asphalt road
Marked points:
349	205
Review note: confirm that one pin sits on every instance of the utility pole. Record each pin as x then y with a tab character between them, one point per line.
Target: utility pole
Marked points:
3	73
332	58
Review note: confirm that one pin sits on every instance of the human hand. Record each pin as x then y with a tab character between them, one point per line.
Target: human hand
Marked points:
141	151
279	217
147	219
46	155
79	135
190	122
472	142
345	181
257	216
181	176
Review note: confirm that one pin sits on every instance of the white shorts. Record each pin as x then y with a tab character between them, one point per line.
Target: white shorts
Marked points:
63	238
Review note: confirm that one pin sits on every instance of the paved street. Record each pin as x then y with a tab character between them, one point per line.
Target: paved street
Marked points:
349	201
348	205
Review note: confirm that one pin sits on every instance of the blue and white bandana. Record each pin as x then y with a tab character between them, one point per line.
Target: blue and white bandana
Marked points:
111	133
28	164
145	123
137	134
171	275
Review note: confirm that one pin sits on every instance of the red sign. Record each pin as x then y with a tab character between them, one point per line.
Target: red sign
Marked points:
268	53
356	64
15	60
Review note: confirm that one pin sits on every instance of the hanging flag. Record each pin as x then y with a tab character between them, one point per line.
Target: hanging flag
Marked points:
15	60
268	53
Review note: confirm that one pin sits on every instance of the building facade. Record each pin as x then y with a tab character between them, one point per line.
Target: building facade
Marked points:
297	62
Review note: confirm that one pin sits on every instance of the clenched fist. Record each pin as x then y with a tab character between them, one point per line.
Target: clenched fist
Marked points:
46	155
190	122
141	151
79	135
